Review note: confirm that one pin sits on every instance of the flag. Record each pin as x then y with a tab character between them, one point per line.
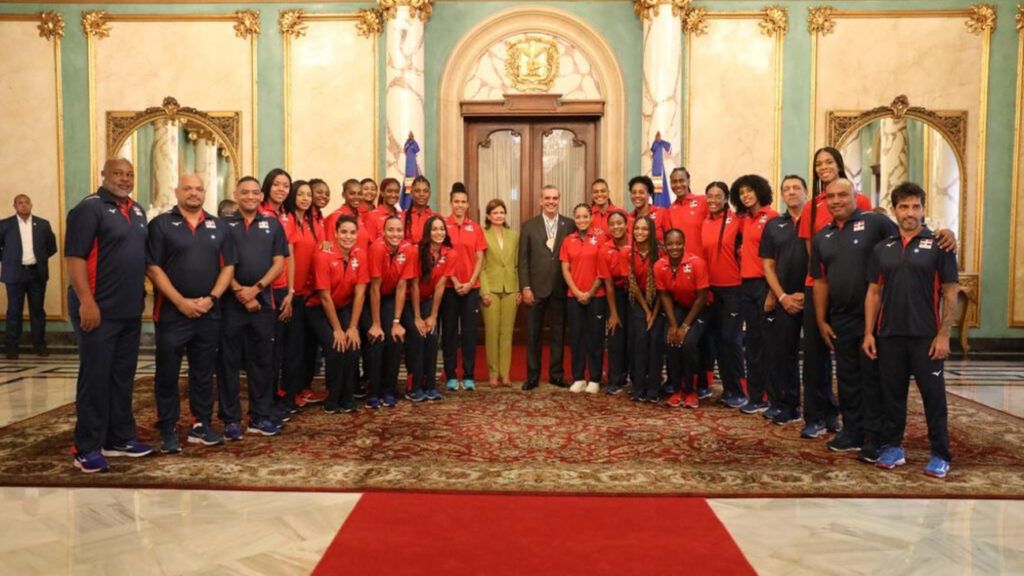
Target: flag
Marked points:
658	174
412	170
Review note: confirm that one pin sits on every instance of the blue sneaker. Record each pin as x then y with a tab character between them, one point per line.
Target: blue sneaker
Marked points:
613	389
734	401
433	395
131	449
265	427
203	434
416	396
752	407
937	467
704	392
771	412
91	462
468	385
169	443
813	430
373	402
452	385
891	457
389	401
233	431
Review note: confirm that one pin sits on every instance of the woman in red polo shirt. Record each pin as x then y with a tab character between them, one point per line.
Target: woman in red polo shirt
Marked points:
340	277
390	191
392	261
615	252
721	236
586	275
460	309
641	188
682	282
646	323
435	263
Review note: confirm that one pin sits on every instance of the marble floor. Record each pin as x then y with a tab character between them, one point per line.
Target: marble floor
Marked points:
49	531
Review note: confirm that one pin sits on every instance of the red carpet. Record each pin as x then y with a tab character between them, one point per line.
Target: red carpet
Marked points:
518	368
397	534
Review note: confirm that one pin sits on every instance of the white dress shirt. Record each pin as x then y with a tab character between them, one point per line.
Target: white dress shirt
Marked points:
28	253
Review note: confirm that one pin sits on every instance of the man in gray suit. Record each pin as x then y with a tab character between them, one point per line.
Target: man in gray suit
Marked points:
543	288
26	244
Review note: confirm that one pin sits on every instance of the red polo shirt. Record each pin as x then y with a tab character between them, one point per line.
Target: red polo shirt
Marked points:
660	217
414	223
363	238
305	241
688	214
375	219
338	274
683	284
722	261
599	219
751	265
392	265
468	241
639	265
616	259
281	281
586	264
441	268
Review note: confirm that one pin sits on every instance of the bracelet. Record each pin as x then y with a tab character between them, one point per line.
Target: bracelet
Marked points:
781	297
396	321
684	326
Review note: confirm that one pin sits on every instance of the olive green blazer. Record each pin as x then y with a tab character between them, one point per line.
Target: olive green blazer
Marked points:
500	273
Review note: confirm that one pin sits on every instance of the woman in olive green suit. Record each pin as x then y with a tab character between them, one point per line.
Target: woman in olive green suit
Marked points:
499	290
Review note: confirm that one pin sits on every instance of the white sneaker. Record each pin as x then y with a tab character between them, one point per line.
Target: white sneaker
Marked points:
593	388
578	386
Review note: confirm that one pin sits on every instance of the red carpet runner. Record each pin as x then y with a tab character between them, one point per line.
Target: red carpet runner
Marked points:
398	534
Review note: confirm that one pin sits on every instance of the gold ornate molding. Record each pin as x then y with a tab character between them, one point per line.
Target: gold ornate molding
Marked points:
95	24
1020	18
951	124
647	9
532	63
247	23
421	9
51	25
820	20
291	23
982	18
970	287
371	22
774	21
695	21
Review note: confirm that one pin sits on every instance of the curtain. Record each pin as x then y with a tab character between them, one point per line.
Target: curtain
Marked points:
498	166
564	166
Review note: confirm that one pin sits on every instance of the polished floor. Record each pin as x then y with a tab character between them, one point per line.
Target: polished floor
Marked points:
110	531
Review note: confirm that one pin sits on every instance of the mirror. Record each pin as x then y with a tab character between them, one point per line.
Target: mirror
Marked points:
896	143
167	141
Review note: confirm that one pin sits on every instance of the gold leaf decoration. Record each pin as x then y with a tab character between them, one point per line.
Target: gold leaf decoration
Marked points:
820	21
647	9
95	24
371	22
51	25
247	23
421	9
292	24
695	21
774	21
982	18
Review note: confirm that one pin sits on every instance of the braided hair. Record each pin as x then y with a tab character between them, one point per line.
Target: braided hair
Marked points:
652	257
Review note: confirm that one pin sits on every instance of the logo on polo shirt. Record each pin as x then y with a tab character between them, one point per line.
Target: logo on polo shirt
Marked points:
137	211
112	210
211	224
469	228
687	268
355	263
401	258
264	225
693	203
593	240
233	224
783	224
926	244
763	218
890	244
858	226
176	223
829	235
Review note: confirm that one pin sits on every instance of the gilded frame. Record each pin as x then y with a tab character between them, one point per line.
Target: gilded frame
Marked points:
1017	186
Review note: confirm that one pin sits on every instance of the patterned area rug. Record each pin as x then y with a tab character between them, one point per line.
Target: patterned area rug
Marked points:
546	441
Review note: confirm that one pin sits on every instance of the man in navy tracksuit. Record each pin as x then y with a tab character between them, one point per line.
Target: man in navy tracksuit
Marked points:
908	274
191	262
105	249
249	313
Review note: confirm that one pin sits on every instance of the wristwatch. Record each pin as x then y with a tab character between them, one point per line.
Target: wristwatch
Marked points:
212	298
260	285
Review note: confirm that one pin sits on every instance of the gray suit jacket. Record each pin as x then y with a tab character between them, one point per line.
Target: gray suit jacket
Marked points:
539	268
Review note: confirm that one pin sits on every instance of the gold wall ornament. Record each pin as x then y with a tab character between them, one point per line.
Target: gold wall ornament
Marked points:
95	24
421	9
695	21
247	23
774	21
291	23
647	9
371	22
1020	18
841	126
982	19
51	25
532	63
820	21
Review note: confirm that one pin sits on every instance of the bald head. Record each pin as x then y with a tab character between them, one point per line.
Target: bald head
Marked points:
191	193
840	198
118	177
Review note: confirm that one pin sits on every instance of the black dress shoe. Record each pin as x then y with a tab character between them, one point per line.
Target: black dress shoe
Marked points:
530	384
42	352
12	355
558	382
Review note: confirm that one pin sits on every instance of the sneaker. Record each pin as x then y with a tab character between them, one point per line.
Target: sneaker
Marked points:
264	427
313	397
593	388
937	467
786	416
169	443
675	400
91	462
280	412
131	449
653	396
844	443
469	385
578	386
752	407
416	396
349	408
734	401
332	408
704	392
832	424
636	396
771	412
373	402
813	430
891	457
692	401
203	434
452	385
360	391
612	389
233	431
389	401
869	453
433	395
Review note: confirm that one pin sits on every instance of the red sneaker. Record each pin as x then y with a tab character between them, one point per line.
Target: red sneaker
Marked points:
675	399
312	397
691	400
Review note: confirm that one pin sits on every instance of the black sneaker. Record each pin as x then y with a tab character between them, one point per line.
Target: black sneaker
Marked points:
786	416
845	443
331	408
869	453
832	424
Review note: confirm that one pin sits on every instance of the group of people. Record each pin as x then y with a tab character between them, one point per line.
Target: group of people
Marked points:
719	279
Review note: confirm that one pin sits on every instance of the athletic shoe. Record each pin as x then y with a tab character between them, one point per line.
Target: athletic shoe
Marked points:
813	430
452	385
832	424
433	395
653	396
389	401
169	443
203	434
869	453
771	412
636	396
612	389
675	400
373	402
91	462
937	467
266	427
416	396
891	457
578	386
752	407
593	388
131	449
469	385
704	392
280	412
313	397
360	390
844	443
786	416
349	408
332	408
692	401
233	431
734	401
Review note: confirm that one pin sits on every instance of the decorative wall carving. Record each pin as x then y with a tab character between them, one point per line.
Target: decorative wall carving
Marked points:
421	9
51	25
532	63
647	9
226	126
247	24
371	22
291	23
820	20
95	24
774	21
982	19
695	21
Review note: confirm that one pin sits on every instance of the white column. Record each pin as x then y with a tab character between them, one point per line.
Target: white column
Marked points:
206	168
943	177
662	109
405	87
894	167
165	167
